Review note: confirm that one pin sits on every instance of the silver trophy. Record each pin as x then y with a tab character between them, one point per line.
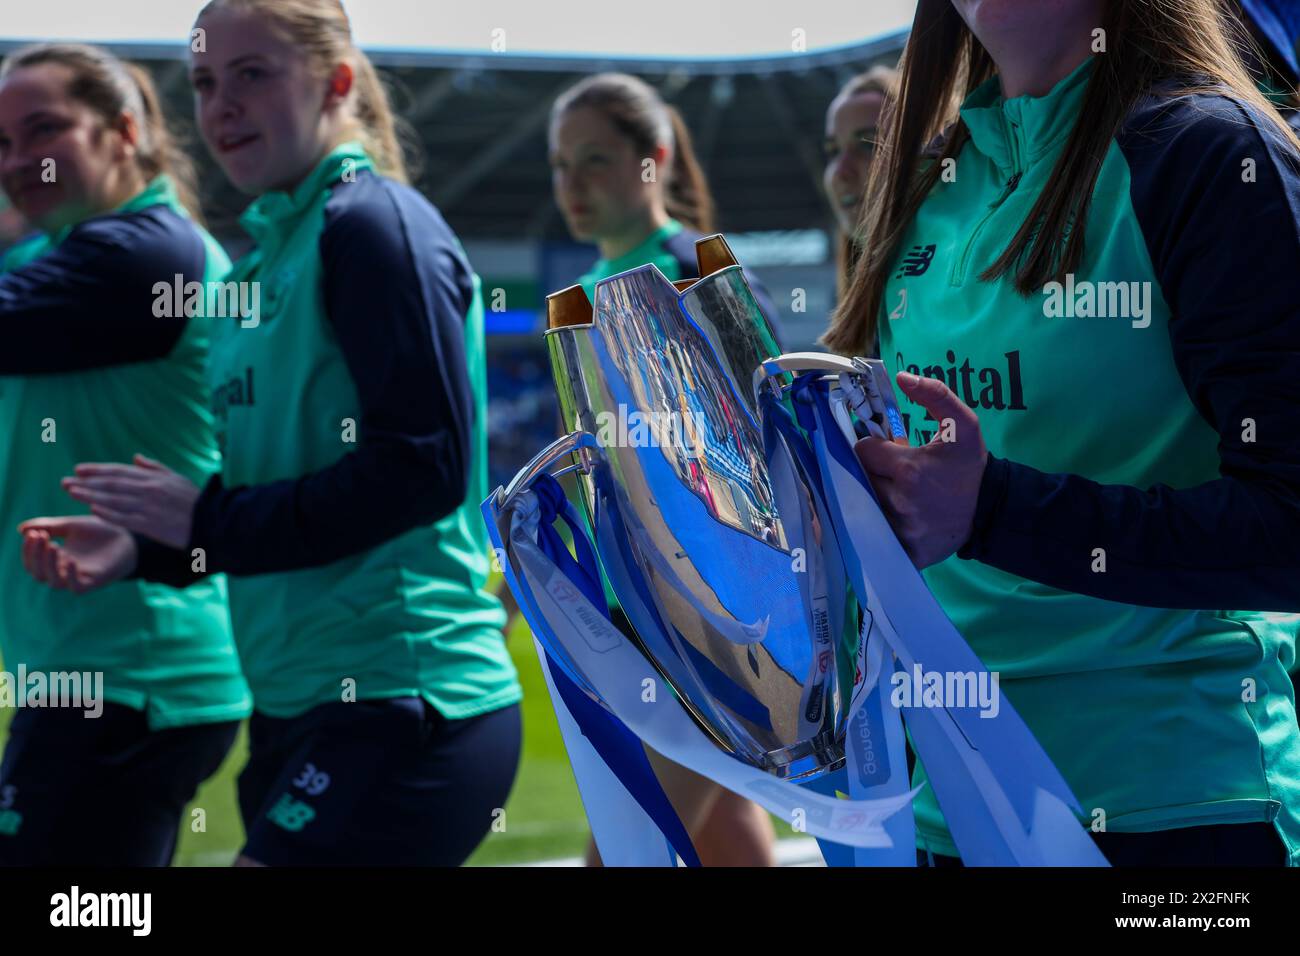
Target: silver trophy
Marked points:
762	582
737	599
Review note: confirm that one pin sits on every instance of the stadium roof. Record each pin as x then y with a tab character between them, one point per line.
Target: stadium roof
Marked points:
685	31
755	105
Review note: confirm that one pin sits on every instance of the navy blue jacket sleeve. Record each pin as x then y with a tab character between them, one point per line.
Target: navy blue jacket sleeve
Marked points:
89	302
397	292
1226	251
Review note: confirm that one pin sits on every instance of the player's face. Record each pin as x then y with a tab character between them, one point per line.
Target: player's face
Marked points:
851	128
58	158
1025	19
260	108
597	175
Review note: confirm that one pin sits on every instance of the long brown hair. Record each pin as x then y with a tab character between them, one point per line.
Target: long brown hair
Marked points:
879	79
321	29
1190	43
638	112
111	87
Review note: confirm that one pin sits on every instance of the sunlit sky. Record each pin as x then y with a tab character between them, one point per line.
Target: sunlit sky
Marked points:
642	28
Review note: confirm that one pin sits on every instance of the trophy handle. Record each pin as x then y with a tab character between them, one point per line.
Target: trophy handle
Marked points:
791	362
496	509
579	445
863	386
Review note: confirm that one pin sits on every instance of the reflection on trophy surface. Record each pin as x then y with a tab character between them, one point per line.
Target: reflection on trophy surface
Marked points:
733	594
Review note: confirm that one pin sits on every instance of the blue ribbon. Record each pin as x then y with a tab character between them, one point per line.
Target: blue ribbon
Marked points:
620	749
777	420
989	778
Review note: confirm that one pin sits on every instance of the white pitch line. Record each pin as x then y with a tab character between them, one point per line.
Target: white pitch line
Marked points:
798	852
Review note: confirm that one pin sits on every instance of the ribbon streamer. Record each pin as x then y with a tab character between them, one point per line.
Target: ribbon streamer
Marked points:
562	614
1003	799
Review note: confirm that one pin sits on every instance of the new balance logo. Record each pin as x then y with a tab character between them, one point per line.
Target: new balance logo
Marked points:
290	814
916	261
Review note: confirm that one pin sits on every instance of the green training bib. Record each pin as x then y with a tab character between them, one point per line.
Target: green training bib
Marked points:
409	617
162	650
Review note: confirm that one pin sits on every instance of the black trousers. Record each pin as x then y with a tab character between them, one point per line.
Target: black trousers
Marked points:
375	782
104	791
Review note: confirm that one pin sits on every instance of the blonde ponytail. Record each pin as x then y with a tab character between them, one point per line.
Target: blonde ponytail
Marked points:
162	153
688	199
376	127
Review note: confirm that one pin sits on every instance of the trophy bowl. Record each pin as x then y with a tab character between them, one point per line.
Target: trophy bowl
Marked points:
709	542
